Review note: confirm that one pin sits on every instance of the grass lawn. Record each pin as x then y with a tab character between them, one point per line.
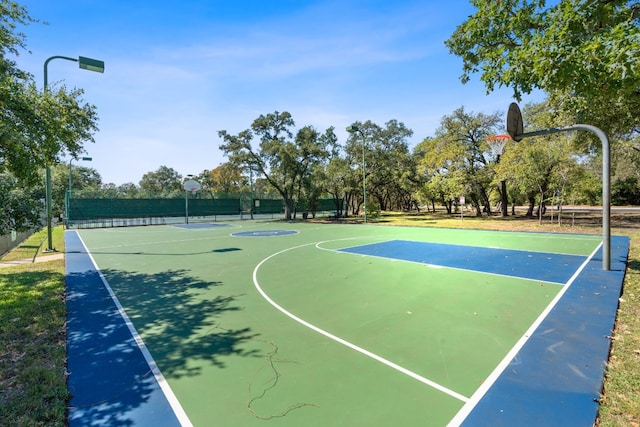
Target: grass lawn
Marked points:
32	321
33	390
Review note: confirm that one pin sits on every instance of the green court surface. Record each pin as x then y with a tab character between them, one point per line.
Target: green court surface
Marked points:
270	328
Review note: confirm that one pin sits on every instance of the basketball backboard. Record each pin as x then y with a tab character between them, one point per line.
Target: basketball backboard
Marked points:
515	127
192	185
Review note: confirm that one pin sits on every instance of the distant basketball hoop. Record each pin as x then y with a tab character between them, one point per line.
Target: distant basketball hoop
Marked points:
192	186
497	143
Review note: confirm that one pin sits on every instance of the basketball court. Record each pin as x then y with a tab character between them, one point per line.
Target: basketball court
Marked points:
256	322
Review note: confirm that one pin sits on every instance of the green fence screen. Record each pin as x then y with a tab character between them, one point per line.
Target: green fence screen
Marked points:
87	209
82	211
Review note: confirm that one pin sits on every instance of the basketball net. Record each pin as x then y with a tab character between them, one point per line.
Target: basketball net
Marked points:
497	143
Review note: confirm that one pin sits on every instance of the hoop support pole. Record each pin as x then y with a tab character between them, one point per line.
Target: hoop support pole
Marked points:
606	181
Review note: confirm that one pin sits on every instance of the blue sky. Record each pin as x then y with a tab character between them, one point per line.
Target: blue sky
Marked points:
177	72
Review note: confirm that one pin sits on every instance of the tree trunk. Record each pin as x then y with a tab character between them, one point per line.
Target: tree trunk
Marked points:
505	201
532	202
288	208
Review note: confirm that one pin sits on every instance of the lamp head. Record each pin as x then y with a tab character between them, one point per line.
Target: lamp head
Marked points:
352	128
91	64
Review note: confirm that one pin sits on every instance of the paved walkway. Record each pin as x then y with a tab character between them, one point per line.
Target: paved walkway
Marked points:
45	258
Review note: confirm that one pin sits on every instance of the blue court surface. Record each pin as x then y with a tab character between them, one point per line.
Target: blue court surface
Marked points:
549	267
553	378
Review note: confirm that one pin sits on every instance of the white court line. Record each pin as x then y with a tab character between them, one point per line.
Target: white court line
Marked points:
345	342
437	266
501	248
486	385
181	415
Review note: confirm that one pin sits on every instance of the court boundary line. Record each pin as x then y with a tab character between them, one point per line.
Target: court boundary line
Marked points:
438	266
481	391
177	408
500	248
342	341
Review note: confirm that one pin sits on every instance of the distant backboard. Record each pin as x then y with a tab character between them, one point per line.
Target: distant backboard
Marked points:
191	185
515	127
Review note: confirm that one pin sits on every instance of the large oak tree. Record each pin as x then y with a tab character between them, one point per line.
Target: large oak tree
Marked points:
585	54
283	160
36	128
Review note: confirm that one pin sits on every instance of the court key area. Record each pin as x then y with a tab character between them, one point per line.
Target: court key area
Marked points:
255	323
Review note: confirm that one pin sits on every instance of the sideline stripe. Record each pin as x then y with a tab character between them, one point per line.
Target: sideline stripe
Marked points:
162	382
491	379
345	342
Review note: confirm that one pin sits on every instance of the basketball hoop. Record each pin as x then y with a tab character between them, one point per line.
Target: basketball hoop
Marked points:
192	186
497	143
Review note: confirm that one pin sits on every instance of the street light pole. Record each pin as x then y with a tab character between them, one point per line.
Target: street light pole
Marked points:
68	212
354	129
186	201
252	195
85	64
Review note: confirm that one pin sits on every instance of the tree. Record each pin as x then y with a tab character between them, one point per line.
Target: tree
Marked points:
392	181
127	190
36	128
283	162
459	152
331	178
82	178
164	181
225	179
584	53
314	178
543	168
20	205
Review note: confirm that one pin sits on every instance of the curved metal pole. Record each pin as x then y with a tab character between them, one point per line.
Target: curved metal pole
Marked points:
606	182
47	191
67	213
88	64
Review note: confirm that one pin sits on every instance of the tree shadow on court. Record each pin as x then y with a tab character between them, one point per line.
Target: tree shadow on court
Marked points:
219	250
179	319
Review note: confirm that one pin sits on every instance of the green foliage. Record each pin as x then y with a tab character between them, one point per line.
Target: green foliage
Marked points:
284	162
547	169
163	181
458	160
626	192
20	205
225	179
36	128
584	53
